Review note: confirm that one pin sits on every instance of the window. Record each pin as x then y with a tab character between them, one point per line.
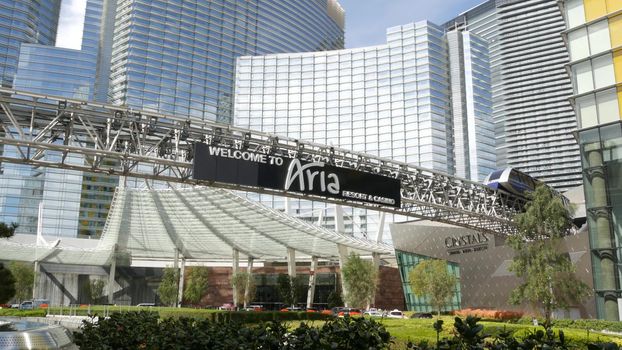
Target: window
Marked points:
599	37
586	106
607	102
579	45
603	71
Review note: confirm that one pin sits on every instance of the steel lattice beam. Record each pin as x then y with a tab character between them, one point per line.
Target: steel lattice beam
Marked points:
120	141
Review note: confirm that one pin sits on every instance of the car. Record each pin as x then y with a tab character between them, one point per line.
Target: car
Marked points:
34	304
146	304
294	309
422	315
347	311
227	306
373	313
26	305
395	313
253	308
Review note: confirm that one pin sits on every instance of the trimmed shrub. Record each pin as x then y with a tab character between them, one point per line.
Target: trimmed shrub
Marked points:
143	330
495	315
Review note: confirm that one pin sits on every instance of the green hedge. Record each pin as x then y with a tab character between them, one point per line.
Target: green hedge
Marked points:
146	330
245	316
23	313
597	325
168	312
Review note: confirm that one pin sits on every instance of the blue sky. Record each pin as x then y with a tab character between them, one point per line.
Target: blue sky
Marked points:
367	20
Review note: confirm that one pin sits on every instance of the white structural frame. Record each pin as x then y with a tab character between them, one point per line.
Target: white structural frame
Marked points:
126	142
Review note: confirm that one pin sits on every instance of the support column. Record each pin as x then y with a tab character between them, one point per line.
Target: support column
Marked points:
320	218
249	271
182	275
311	291
343	256
291	262
111	275
35	284
376	261
380	232
235	267
602	241
176	269
339	225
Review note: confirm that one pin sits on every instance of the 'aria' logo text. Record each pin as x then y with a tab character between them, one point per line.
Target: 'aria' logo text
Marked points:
305	176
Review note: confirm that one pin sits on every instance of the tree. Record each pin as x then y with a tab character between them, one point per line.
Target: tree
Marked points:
432	279
196	284
24	279
245	288
168	289
7	231
290	289
96	290
7	284
360	279
547	274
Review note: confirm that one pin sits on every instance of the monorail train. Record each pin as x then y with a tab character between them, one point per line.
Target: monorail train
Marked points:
511	180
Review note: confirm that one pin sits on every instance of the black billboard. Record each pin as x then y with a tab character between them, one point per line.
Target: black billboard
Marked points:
227	165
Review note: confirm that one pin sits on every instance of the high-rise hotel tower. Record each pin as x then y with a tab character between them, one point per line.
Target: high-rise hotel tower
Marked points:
594	39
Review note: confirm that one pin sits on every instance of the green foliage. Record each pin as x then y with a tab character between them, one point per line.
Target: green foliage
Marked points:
290	289
334	299
548	275
360	278
143	330
432	279
96	290
7	231
168	288
7	284
242	281
196	284
469	335
24	279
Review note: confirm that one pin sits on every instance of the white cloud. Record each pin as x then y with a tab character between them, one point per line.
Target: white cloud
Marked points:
70	24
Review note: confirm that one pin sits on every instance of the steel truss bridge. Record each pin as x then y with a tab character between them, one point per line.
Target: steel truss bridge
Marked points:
120	141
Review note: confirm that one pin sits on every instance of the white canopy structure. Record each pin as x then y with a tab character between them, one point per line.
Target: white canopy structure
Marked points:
199	223
204	223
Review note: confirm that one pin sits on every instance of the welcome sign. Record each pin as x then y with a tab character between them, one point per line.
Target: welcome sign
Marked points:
241	167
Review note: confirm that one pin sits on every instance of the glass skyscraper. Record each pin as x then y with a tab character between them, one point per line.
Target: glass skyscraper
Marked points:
594	38
390	100
173	57
24	21
530	88
177	57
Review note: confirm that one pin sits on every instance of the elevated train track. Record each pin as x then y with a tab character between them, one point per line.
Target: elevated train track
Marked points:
45	131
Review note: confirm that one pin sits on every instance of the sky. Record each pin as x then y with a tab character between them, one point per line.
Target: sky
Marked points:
70	24
368	20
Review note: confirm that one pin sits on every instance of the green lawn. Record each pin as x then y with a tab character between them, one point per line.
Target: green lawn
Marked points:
403	330
417	330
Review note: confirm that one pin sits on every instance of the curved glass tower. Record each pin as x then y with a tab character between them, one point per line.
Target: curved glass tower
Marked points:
177	57
24	21
594	41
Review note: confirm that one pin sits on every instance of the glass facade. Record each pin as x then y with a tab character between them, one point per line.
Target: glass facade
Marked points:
594	40
471	101
405	263
391	101
177	57
24	21
168	56
530	87
55	71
